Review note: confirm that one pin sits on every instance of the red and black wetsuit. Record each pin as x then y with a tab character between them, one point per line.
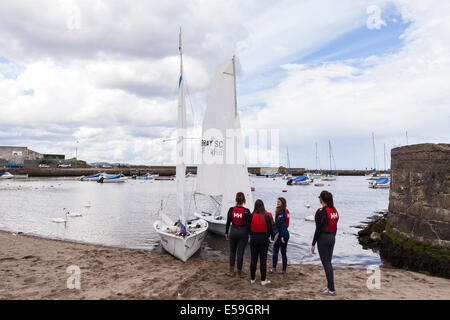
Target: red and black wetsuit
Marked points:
260	226
237	217
326	228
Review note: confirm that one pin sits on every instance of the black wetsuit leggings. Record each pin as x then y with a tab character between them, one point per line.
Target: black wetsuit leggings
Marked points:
259	245
238	242
325	244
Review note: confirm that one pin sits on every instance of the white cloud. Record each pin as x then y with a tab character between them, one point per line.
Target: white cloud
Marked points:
346	101
106	73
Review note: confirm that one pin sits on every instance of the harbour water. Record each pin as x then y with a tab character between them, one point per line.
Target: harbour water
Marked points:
122	214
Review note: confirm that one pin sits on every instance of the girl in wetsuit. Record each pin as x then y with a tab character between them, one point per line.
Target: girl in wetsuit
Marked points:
238	219
326	226
260	226
281	223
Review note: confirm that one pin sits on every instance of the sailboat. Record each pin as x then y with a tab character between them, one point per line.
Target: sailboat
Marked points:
184	237
316	174
288	174
329	176
222	171
374	174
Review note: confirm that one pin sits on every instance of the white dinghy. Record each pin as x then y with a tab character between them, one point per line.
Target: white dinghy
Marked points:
6	175
183	238
222	169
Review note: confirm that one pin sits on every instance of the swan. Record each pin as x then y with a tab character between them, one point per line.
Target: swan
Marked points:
71	214
60	220
307	205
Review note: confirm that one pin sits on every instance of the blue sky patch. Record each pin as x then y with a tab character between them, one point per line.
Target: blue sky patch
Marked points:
10	69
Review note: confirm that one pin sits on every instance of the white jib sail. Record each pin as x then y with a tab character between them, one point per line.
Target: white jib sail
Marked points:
222	169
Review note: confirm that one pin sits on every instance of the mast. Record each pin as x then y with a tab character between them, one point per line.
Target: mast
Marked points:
317	159
234	78
385	168
329	153
289	161
374	155
181	128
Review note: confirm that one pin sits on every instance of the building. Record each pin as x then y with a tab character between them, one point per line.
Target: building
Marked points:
55	156
18	155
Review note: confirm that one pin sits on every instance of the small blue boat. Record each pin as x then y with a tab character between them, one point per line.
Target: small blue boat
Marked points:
94	177
112	179
380	183
146	176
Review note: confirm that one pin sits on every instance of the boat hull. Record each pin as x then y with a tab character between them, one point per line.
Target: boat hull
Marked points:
216	224
6	175
378	186
301	183
179	247
119	180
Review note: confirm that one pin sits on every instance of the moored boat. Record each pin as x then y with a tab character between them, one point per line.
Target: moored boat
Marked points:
94	177
6	175
146	176
113	179
381	183
300	181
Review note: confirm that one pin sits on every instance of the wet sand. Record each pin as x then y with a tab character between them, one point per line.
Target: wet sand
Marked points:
35	268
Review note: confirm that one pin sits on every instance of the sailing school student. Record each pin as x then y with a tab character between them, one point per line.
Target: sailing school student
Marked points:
326	219
282	225
260	225
238	219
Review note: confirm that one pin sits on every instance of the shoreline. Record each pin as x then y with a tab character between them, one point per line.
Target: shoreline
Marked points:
34	171
33	267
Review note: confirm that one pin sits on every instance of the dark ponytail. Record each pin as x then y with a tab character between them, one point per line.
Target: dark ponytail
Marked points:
259	207
327	197
240	198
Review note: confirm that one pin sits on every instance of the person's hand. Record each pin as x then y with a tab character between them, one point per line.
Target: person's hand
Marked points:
226	236
282	240
313	249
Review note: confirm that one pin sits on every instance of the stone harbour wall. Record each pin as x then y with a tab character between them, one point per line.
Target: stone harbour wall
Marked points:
419	199
418	224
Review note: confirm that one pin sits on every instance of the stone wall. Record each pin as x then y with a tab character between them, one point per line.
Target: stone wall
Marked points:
419	201
417	234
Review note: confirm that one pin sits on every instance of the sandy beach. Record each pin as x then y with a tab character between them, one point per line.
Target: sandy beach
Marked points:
35	268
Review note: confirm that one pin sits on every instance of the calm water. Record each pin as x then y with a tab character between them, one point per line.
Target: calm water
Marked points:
123	214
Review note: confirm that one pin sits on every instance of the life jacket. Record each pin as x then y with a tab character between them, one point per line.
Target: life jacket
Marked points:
269	214
258	223
286	218
333	218
237	216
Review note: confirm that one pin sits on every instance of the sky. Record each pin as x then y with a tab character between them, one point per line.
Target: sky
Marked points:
105	74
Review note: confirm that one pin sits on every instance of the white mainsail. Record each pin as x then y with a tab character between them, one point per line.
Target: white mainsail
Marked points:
222	169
